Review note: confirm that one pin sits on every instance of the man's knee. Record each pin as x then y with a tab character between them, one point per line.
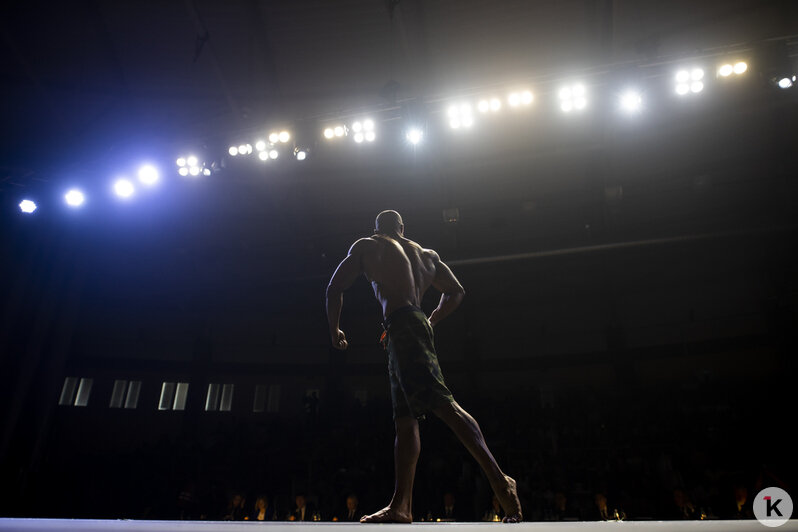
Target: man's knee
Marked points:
406	424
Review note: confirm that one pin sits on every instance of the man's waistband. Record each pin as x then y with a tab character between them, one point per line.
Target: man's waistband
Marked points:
399	312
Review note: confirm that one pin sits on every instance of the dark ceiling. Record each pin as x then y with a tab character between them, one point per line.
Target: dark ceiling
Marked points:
87	82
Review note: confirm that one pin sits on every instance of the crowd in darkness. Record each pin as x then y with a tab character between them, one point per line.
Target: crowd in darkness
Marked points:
673	452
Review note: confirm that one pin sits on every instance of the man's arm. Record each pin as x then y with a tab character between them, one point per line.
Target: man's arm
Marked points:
451	290
346	274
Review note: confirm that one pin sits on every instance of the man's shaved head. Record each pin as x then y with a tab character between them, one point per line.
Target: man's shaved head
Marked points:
389	223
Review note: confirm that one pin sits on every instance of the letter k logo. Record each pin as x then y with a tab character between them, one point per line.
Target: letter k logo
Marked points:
772	506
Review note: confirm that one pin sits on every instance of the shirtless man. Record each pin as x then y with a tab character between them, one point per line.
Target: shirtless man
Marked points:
401	271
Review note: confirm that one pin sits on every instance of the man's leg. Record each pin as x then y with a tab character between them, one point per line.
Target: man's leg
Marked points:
467	430
405	454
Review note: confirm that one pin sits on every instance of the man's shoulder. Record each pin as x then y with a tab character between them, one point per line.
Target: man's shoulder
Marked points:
362	244
370	242
421	249
431	254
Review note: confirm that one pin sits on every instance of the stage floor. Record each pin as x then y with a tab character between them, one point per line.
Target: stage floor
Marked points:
73	525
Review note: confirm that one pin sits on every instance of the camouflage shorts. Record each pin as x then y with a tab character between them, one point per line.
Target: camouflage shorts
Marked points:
417	384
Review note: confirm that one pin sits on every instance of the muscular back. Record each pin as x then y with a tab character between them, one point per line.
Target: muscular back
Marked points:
400	271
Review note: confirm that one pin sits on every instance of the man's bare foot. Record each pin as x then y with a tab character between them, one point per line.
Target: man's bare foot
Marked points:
508	497
387	515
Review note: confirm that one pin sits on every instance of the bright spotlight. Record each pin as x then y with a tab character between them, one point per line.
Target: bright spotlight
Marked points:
526	98
274	137
489	105
183	171
414	136
181	161
27	206
460	116
260	145
233	151
300	154
785	82
329	133
191	160
194	170
284	136
689	81
359	137
74	198
123	188
370	136
631	101
339	131
273	154
517	99
148	175
726	70
573	97
740	67
206	171
368	124
357	127
263	155
242	150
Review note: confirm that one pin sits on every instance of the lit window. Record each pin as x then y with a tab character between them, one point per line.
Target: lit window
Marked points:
68	391
167	394
125	394
173	396
267	398
181	394
84	390
118	394
219	397
212	398
133	390
226	403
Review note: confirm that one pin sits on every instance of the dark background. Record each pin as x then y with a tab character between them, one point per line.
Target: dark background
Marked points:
631	281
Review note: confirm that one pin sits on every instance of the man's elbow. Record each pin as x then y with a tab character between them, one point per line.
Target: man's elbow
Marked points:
333	291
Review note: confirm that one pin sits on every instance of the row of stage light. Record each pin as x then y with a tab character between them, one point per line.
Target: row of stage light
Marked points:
571	98
122	187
